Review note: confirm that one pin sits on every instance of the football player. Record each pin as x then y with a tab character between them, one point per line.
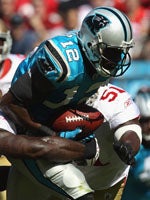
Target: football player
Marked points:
63	72
8	62
8	66
118	137
118	142
138	183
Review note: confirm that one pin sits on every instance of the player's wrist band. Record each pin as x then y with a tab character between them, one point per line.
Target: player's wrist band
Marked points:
132	127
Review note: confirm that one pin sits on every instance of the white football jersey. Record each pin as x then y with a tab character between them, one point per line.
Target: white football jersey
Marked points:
7	71
117	107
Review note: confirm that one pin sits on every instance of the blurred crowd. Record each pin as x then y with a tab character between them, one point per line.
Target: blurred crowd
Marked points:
32	21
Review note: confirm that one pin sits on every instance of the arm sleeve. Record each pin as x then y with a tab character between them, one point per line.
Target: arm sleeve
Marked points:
116	110
21	82
22	89
29	85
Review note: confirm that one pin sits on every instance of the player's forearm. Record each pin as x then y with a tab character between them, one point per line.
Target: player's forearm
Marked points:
130	134
50	148
132	139
20	146
127	142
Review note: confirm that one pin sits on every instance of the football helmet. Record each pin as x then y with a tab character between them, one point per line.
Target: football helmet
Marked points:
5	41
106	37
142	99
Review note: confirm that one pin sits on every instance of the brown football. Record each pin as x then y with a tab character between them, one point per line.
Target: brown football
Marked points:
85	117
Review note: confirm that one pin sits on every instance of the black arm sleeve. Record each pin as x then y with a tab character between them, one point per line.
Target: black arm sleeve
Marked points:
22	89
31	87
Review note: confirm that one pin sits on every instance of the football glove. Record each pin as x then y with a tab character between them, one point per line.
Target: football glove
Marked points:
70	134
89	142
125	152
88	138
92	151
74	135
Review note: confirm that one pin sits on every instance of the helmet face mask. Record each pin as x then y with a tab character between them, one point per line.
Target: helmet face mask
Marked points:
112	61
5	41
106	37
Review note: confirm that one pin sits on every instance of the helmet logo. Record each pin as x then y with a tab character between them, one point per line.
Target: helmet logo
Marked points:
96	22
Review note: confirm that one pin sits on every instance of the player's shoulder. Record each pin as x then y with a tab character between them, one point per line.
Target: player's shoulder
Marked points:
115	87
113	91
16	57
112	96
70	36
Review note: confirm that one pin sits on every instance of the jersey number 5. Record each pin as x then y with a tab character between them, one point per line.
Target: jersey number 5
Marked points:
111	93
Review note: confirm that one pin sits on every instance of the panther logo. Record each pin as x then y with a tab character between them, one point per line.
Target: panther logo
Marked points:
97	22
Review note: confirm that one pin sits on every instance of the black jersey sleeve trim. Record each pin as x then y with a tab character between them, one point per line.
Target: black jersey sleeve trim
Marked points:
21	89
59	59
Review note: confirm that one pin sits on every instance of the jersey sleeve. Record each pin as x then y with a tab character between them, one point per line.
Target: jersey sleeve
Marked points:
29	84
116	105
5	124
22	69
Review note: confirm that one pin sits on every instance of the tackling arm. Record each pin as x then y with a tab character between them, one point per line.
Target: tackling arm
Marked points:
50	148
20	114
15	111
128	138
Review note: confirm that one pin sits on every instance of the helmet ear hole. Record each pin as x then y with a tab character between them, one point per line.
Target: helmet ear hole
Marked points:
89	44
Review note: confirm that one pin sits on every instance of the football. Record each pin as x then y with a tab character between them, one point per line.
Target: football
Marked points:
84	117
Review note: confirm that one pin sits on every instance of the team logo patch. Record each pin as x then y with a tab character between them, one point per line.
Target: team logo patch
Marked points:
97	22
128	102
45	65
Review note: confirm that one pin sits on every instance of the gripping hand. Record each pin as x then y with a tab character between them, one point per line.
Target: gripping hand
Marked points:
70	134
124	152
74	135
88	138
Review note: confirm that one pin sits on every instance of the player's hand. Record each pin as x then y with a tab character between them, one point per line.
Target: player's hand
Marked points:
70	134
88	138
74	135
92	151
125	152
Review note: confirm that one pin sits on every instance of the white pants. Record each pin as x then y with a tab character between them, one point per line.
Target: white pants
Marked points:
46	179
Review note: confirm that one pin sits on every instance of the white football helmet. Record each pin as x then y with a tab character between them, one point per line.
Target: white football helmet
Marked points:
5	41
106	37
142	99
